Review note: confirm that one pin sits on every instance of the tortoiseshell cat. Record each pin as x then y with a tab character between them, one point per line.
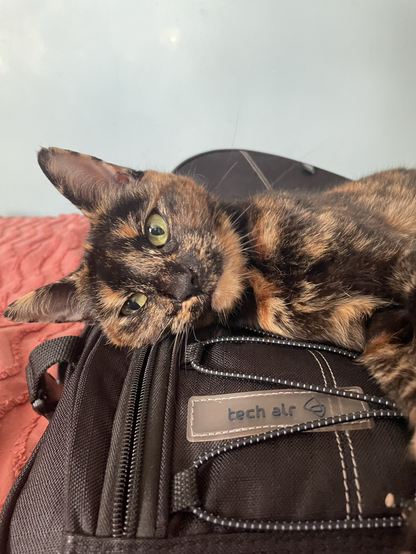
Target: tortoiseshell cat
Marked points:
164	255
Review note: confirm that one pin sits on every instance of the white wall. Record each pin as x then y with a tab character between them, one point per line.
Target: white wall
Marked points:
148	83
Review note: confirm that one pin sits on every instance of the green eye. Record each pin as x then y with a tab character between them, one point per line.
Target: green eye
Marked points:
156	230
133	304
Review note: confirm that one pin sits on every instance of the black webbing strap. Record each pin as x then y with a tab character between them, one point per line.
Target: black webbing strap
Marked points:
60	350
185	490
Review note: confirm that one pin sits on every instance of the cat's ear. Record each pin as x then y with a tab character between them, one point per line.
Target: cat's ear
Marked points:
56	302
84	180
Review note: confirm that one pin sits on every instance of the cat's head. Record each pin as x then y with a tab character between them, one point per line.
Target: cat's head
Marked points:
161	254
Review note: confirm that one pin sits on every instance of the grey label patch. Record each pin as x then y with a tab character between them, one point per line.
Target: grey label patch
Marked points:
240	414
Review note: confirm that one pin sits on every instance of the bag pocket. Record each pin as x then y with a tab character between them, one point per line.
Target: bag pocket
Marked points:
261	461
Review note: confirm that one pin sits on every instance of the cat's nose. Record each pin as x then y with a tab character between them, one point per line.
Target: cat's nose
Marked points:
185	285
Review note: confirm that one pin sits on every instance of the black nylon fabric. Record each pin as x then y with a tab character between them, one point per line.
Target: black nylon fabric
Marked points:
362	542
290	478
101	477
91	426
231	174
33	517
108	494
302	477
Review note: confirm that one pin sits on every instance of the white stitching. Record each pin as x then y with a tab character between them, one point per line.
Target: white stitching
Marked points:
340	449
344	476
352	453
330	369
320	367
356	480
248	395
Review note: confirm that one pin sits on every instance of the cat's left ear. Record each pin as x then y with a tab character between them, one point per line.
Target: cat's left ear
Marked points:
84	180
56	302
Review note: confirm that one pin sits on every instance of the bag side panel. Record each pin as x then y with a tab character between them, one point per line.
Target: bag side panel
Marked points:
36	513
37	521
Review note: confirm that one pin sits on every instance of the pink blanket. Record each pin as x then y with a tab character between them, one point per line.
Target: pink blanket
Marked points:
33	252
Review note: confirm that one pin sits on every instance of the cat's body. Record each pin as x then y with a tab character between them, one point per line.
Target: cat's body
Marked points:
321	264
314	266
163	256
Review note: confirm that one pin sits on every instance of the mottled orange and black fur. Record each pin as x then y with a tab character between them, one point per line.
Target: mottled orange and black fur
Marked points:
338	266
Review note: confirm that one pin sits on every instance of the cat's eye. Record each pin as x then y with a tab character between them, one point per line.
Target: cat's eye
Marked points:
134	303
156	229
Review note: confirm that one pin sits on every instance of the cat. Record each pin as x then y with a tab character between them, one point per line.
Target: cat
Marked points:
163	256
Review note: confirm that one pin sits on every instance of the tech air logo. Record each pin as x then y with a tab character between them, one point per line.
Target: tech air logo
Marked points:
239	414
259	412
313	405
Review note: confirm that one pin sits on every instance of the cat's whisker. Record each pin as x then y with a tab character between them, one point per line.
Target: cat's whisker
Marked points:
178	339
248	248
283	174
244	237
247	240
224	176
163	333
237	219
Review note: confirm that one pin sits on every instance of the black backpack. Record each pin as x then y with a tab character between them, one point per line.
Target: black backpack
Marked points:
232	440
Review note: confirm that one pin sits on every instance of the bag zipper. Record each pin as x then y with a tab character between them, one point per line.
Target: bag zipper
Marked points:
125	514
125	503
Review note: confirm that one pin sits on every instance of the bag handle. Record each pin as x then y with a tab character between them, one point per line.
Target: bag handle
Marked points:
44	391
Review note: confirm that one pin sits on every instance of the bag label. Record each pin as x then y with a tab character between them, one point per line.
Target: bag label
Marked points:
240	414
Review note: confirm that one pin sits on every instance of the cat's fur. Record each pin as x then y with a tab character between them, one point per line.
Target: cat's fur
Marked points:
338	266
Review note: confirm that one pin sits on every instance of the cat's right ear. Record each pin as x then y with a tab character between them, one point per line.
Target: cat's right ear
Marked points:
56	302
84	180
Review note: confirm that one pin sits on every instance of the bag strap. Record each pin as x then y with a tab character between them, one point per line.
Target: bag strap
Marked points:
44	390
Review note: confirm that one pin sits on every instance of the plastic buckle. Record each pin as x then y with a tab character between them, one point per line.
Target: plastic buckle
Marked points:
44	405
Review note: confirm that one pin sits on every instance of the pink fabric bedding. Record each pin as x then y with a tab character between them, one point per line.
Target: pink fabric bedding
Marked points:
33	252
